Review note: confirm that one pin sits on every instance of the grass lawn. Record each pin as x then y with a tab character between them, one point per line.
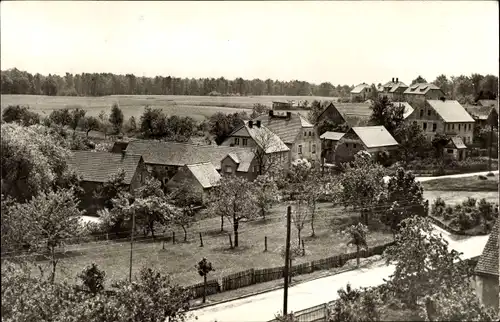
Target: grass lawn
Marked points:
456	197
462	184
197	107
179	260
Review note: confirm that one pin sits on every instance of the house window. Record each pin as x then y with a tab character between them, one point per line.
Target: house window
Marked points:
245	142
310	133
424	125
347	145
309	147
354	145
428	112
421	113
449	150
236	141
453	126
314	148
459	127
434	127
300	149
469	127
229	169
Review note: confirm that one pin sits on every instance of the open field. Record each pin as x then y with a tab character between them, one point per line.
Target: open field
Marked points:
179	259
463	184
197	107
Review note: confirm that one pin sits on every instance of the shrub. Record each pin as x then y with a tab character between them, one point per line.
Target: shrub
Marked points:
438	207
92	278
448	213
481	177
490	174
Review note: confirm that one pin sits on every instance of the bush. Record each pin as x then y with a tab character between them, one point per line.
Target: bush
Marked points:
438	207
481	177
92	279
490	174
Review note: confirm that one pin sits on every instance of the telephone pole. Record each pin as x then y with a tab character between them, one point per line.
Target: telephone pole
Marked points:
287	258
490	147
131	246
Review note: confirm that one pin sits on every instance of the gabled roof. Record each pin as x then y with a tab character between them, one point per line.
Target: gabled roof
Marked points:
99	166
488	261
479	112
264	138
333	136
304	122
358	109
287	129
205	173
450	111
493	103
359	88
420	88
457	143
374	136
393	86
179	154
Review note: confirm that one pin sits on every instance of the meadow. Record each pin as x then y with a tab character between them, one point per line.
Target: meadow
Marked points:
198	107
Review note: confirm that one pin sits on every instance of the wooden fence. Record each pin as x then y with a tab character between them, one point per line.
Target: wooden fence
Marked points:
256	276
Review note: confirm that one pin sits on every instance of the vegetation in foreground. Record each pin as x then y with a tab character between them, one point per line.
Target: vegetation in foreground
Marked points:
474	183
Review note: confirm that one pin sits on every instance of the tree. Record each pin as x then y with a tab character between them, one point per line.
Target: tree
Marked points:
222	125
357	237
266	193
61	117
153	123
204	267
50	219
438	143
92	279
362	184
404	197
116	118
76	116
185	199
314	112
355	305
258	109
424	266
33	159
444	84
234	200
328	125
104	123
388	114
314	189
20	114
300	214
89	123
412	141
112	188
132	125
418	80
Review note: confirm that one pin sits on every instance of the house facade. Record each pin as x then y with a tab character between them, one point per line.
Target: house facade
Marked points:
484	116
360	93
375	140
418	93
393	90
486	272
329	141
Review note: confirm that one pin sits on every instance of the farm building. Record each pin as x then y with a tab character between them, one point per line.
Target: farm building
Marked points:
200	178
96	168
360	93
486	272
483	115
375	140
296	132
418	93
329	142
393	90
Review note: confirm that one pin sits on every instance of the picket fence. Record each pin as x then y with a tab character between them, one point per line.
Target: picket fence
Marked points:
255	276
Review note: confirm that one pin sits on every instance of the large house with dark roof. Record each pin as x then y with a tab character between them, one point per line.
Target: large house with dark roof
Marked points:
418	93
485	116
360	93
372	139
296	132
393	90
486	271
269	150
96	168
163	159
200	177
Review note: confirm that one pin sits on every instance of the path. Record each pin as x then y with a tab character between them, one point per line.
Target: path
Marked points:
263	307
460	175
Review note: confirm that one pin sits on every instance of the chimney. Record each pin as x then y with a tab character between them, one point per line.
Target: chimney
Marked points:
397	80
393	79
288	115
250	124
271	113
442	98
258	123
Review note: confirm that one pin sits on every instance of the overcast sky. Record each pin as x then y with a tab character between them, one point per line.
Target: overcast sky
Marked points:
338	42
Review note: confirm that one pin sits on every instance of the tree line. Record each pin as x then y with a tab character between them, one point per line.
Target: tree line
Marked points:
15	81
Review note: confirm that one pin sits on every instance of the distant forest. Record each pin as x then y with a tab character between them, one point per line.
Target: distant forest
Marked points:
466	89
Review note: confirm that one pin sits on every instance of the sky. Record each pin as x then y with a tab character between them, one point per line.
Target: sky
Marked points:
338	41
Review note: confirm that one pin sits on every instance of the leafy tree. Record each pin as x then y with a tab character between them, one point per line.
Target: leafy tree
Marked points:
132	124
76	116
442	82
328	125
61	117
49	220
300	214
89	123
233	199
152	211
424	266
314	112
92	279
412	141
354	305
266	193
387	114
258	109
405	198
105	125
362	184
153	123
489	87
112	188
418	80
438	143
180	129
116	118
221	125
33	160
314	189
357	237
20	114
204	267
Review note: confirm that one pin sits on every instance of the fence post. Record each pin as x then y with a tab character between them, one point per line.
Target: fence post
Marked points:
230	241
265	244
173	237
201	240
303	249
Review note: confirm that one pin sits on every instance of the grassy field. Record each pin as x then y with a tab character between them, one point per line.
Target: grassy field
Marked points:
197	107
179	259
456	197
462	184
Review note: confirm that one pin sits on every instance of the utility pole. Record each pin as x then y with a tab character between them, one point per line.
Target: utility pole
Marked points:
287	258
489	149
131	246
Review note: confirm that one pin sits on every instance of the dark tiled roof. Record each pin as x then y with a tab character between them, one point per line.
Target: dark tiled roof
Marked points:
99	166
179	154
493	103
479	112
286	129
420	88
488	262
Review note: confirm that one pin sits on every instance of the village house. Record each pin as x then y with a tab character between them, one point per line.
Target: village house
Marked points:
484	116
445	117
486	271
375	140
96	168
418	93
329	142
268	148
199	177
163	159
296	132
393	90
360	93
